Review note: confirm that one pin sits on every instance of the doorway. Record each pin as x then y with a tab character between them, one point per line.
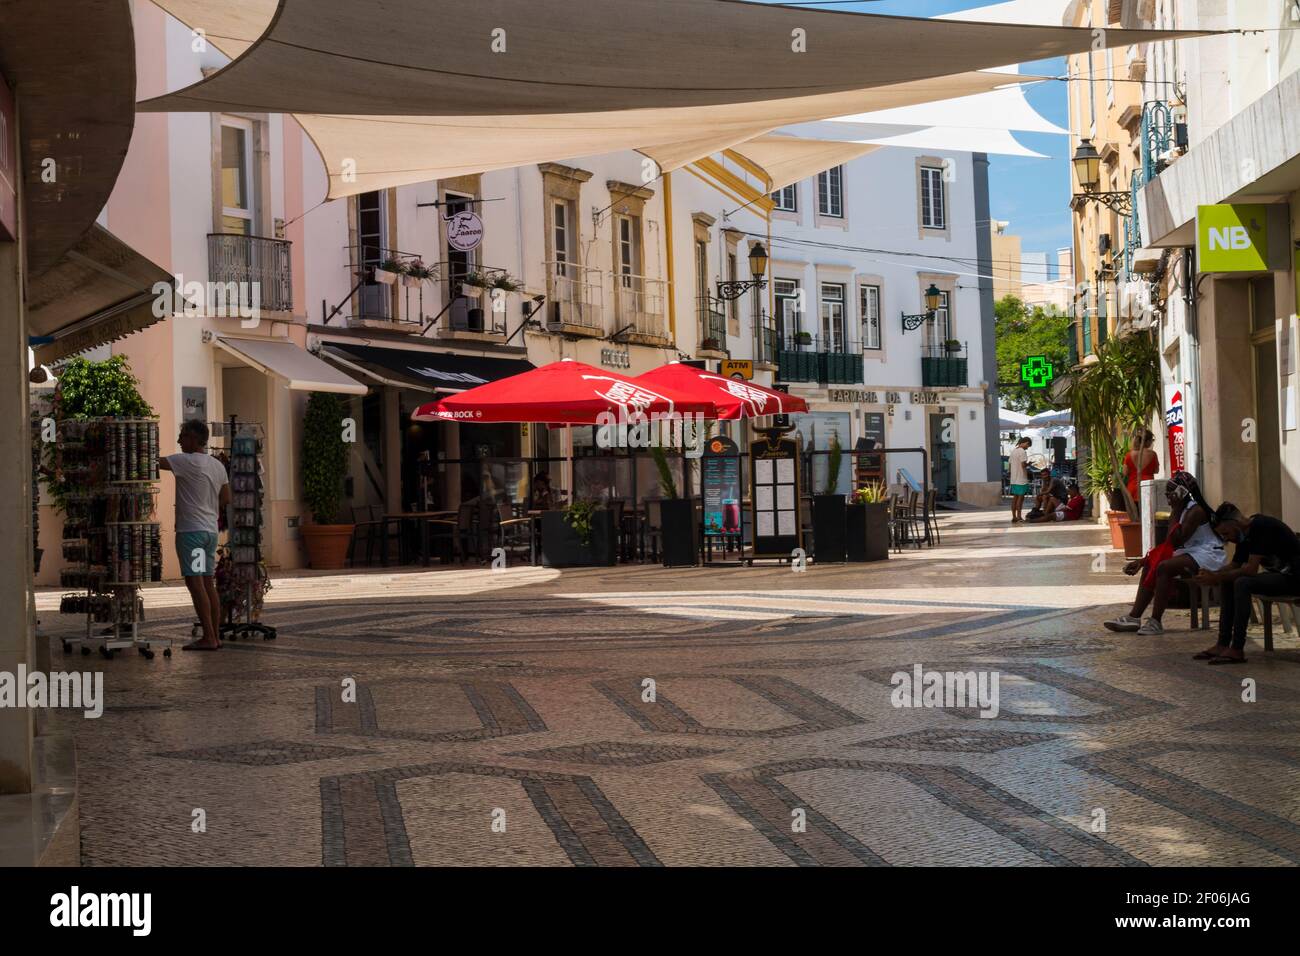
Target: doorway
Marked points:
943	456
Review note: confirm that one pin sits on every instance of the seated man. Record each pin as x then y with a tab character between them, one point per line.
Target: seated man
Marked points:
1052	495
1266	561
1072	510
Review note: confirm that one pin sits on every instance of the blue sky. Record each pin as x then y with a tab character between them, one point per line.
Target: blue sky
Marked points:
1033	194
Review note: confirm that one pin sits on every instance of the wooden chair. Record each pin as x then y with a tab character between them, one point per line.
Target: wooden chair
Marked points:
458	533
654	527
1286	605
386	530
512	533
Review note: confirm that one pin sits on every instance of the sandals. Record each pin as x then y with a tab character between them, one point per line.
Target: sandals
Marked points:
1205	656
196	646
1226	660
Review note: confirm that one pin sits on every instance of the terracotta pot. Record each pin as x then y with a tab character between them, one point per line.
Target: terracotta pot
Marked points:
1116	537
327	545
1131	532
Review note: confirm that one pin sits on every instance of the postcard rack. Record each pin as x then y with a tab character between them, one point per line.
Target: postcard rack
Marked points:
109	468
242	578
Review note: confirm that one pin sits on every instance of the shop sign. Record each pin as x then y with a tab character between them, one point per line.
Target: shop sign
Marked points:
8	164
1232	238
774	480
737	368
1037	371
853	396
464	231
194	403
615	358
893	398
924	398
1174	431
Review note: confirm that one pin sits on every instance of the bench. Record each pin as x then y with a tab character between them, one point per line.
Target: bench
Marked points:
1286	605
1201	596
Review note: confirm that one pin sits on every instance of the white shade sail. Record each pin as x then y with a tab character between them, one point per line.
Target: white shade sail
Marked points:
405	91
789	159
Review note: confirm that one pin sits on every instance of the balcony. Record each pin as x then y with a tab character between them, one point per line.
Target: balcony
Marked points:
259	268
639	308
767	344
807	359
474	297
713	325
575	299
941	368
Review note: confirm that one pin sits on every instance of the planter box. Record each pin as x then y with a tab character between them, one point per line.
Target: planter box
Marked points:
327	545
1131	534
562	548
1114	518
384	276
411	282
867	528
474	320
680	532
829	538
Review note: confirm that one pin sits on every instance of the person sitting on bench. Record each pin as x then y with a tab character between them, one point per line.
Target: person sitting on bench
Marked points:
1190	546
1266	562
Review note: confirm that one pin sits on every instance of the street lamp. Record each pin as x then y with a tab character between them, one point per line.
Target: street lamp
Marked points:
932	299
1087	169
728	291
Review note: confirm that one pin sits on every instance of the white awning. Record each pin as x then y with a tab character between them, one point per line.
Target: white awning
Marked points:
388	106
790	159
302	371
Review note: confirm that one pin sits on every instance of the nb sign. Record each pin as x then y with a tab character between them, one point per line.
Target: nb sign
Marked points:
1232	237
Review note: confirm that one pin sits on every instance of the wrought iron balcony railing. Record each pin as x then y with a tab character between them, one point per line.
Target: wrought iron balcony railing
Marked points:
260	268
944	368
638	305
713	323
575	297
808	358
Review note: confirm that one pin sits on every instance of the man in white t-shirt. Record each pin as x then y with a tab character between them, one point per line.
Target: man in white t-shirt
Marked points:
1019	478
202	491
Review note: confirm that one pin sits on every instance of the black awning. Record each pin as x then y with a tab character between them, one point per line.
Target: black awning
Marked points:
423	368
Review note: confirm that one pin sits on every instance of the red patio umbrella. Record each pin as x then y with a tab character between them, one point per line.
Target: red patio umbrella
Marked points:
732	397
563	393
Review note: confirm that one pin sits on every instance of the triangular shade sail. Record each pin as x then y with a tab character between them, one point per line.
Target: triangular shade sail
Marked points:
789	159
733	398
453	88
562	393
510	57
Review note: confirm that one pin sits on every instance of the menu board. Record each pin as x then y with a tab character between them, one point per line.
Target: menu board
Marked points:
774	477
720	485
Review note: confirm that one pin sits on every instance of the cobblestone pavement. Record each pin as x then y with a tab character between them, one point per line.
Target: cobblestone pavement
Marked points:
465	716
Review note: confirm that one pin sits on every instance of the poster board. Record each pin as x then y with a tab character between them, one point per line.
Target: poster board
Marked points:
720	486
776	489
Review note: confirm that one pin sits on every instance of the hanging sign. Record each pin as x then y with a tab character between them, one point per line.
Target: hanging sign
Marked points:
720	486
737	368
464	231
1174	431
774	482
1232	238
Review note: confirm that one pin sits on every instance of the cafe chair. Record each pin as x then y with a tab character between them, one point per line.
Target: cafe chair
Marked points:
458	533
514	534
654	527
932	516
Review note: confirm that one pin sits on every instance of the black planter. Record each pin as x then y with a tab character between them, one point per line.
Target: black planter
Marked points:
474	320
562	548
829	537
867	527
680	532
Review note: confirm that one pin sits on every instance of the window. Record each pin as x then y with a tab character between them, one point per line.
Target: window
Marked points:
733	306
564	238
938	329
702	271
372	240
869	305
933	213
832	298
787	296
459	264
786	199
830	193
627	249
236	176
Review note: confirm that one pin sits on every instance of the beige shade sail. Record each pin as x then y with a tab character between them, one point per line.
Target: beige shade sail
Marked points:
789	159
99	291
512	57
302	371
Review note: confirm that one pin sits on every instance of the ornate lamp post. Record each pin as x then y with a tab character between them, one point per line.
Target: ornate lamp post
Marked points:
1087	169
727	291
932	299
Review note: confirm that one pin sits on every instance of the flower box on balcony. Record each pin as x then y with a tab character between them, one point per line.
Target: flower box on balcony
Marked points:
710	345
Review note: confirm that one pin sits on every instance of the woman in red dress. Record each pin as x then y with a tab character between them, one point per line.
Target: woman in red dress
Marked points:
1141	463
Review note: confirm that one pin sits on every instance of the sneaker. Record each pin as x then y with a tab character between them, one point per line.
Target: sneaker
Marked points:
1124	623
1151	627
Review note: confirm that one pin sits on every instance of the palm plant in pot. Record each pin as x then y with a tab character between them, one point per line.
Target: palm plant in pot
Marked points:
415	274
1115	397
867	523
829	511
324	464
678	524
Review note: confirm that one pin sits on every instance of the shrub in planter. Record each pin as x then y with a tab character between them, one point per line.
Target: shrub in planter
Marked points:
388	271
324	464
710	345
582	535
415	273
867	524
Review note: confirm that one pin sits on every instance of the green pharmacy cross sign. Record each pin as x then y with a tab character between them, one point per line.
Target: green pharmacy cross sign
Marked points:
1037	372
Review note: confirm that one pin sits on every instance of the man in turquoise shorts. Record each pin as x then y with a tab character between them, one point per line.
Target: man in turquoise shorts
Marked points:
202	490
1019	475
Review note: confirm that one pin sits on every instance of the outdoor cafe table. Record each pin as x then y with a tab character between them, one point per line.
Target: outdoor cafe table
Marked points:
421	517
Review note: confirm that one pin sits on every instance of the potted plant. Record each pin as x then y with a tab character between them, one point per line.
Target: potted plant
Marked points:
710	345
867	523
415	274
679	525
803	339
581	535
505	283
324	464
953	346
472	285
829	513
388	271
